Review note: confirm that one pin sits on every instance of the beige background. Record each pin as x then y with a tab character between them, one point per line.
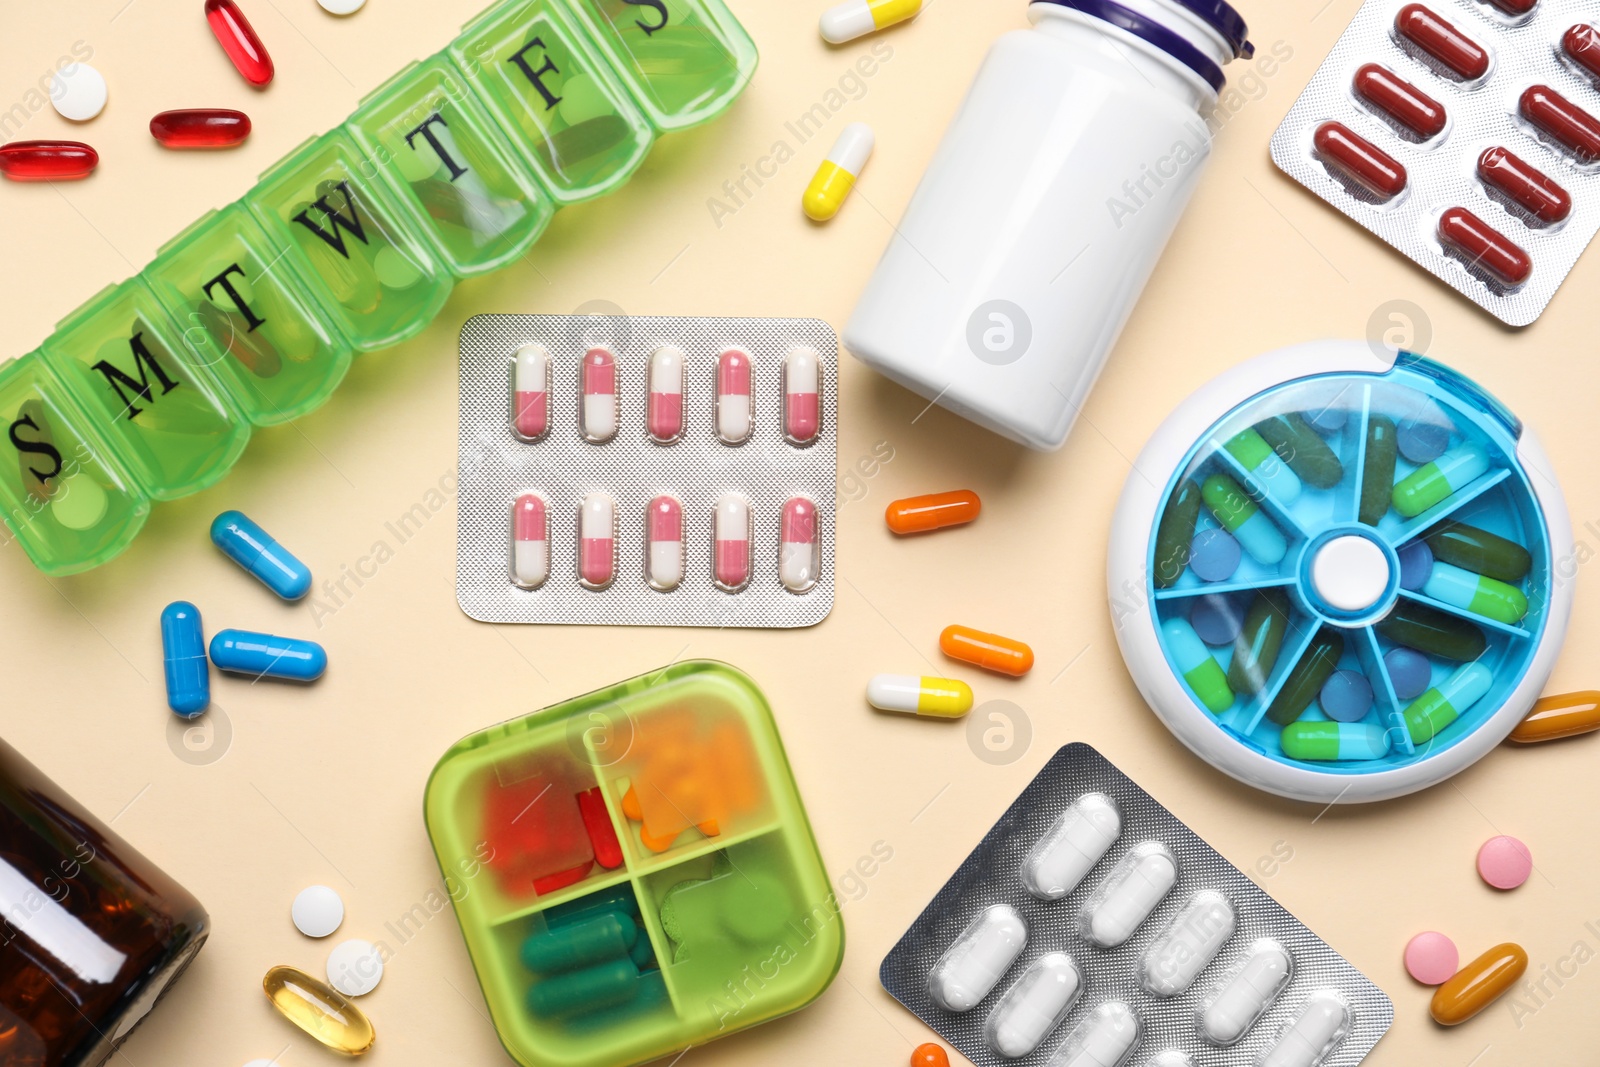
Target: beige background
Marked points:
325	785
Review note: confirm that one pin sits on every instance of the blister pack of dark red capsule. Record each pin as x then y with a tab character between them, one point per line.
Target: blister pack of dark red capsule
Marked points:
1465	133
1092	928
647	471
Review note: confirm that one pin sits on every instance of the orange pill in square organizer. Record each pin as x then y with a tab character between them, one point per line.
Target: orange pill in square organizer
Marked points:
919	514
989	651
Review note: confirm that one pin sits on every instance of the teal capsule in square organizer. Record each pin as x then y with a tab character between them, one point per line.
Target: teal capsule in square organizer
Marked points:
346	236
164	415
450	169
248	318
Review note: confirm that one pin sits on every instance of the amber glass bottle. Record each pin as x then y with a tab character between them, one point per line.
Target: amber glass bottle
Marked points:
91	932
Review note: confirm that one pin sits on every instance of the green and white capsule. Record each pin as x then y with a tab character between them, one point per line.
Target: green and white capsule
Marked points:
1473	592
1334	741
1198	667
1266	469
1446	702
1436	482
1244	519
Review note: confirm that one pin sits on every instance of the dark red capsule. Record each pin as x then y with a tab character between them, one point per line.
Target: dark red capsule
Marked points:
1459	53
47	161
1562	121
1527	186
1484	246
1364	162
1403	102
1515	7
201	127
239	40
1582	45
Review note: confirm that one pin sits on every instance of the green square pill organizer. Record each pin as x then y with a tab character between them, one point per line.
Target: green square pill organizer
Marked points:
633	870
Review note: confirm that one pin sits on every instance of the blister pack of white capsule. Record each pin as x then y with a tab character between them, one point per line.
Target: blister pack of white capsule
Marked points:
1092	928
647	471
1466	134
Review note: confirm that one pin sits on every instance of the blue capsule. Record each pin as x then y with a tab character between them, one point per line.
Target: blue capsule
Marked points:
183	653
265	656
252	548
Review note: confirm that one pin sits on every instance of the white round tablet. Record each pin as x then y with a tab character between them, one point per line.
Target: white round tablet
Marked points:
78	92
354	967
317	911
342	7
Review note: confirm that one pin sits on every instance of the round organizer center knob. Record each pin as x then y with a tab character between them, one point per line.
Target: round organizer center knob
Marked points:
1350	573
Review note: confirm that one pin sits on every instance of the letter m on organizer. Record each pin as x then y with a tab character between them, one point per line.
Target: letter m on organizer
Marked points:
337	220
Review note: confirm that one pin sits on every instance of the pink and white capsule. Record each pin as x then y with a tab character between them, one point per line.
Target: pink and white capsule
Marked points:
798	558
530	542
802	400
665	560
531	392
734	403
597	546
599	395
730	524
664	419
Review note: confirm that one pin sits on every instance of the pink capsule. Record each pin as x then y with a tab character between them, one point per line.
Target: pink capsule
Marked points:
664	417
665	560
802	400
731	529
201	127
599	395
799	561
734	404
530	542
47	161
530	412
597	525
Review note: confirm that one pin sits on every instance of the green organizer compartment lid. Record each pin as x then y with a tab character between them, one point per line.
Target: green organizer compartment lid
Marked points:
69	504
450	169
633	870
551	89
350	243
247	318
684	60
167	419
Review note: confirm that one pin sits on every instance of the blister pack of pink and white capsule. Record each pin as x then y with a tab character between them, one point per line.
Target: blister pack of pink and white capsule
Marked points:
1465	134
1092	928
647	471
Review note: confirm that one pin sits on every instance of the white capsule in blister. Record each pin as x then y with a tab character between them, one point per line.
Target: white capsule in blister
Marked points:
1075	842
975	961
1321	1024
1034	1005
1246	993
1193	939
1169	1058
1105	1038
1129	894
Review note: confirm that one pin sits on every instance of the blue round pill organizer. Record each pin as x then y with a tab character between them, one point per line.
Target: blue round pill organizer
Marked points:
1325	523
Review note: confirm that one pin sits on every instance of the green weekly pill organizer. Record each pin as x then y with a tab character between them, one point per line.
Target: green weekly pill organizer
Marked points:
351	243
633	870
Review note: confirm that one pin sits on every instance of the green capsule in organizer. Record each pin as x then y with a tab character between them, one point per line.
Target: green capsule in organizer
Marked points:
1255	651
1475	593
1433	632
1307	677
1198	667
1479	551
1175	534
1332	741
1436	482
1265	468
1244	519
1303	449
1377	469
1442	705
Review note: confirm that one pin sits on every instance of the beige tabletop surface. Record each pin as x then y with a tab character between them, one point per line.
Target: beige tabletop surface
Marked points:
292	787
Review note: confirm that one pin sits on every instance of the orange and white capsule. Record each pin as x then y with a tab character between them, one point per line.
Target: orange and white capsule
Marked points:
530	412
664	417
735	405
799	561
730	523
530	542
664	559
599	409
802	395
597	545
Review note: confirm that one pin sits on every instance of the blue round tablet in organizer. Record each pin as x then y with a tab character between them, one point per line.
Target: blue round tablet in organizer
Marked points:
1347	696
1416	564
1410	672
1422	442
1217	619
1327	419
1214	555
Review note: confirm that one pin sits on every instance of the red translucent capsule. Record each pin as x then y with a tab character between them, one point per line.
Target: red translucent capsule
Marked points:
47	161
1401	101
1531	188
1582	45
201	127
1364	162
1562	121
239	40
1439	39
1485	246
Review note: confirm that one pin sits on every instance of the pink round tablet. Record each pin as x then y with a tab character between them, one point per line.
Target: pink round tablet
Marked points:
1504	862
1431	958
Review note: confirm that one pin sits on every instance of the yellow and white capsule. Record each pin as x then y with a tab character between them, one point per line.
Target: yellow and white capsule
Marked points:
857	18
939	698
837	175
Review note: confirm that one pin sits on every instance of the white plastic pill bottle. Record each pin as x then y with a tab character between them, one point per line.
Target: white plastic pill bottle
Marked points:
1045	209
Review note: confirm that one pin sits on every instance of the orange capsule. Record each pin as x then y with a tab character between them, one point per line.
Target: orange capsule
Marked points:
989	651
1567	715
929	1055
1478	984
919	514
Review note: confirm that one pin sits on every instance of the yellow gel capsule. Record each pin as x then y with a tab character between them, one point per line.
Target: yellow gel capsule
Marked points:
837	175
856	18
939	698
319	1010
